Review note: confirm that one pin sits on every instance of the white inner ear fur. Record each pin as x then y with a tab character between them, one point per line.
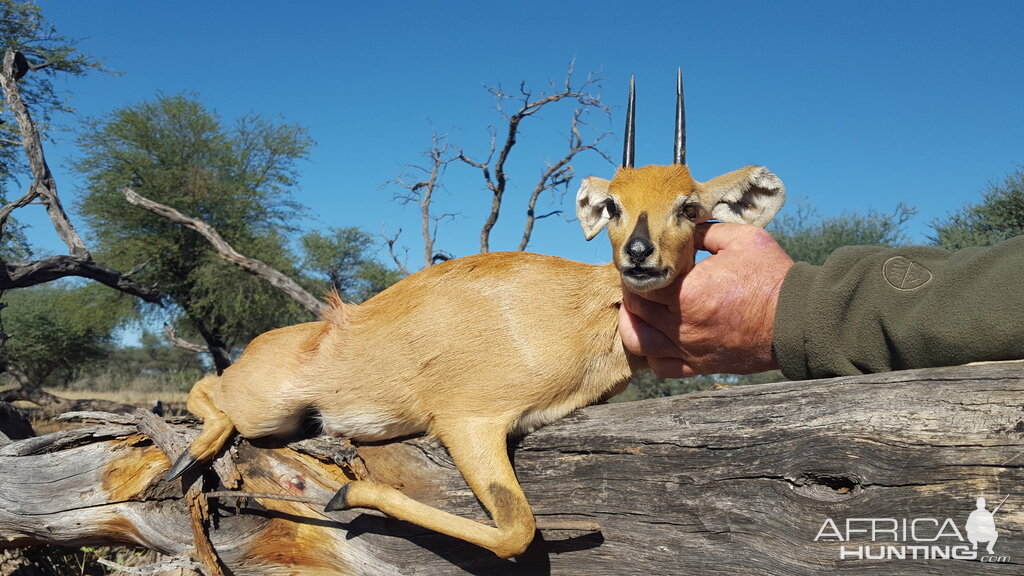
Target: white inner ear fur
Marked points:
590	205
750	195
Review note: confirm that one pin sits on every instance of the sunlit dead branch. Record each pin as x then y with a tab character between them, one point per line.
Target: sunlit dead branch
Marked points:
493	167
559	174
251	265
514	108
390	241
421	193
43	191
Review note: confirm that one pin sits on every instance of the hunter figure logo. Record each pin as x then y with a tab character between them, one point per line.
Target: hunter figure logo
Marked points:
981	526
924	538
904	274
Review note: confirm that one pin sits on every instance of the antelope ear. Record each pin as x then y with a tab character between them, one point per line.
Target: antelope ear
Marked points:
591	208
750	195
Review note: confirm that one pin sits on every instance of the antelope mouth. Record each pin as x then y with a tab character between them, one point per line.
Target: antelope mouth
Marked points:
644	278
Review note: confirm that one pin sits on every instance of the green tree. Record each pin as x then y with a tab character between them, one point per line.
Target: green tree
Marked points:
238	180
807	236
999	216
58	329
343	258
151	362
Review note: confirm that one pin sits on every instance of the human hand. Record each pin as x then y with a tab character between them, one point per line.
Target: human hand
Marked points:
720	317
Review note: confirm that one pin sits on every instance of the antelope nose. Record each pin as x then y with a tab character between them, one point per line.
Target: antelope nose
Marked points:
638	249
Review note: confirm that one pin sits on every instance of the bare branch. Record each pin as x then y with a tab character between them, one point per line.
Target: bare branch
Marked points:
43	190
437	220
227	252
182	343
25	274
493	168
422	191
556	174
5	212
43	186
390	242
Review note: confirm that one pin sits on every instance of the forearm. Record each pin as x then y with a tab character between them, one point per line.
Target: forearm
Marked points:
871	309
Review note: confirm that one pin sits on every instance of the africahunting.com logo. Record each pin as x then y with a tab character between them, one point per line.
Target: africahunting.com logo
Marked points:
926	538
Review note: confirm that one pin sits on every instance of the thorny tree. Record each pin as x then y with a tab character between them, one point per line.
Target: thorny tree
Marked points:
514	109
237	178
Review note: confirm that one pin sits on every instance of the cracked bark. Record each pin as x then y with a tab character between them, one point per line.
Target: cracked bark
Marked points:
771	463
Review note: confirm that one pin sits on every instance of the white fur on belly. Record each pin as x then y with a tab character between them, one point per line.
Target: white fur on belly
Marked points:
367	424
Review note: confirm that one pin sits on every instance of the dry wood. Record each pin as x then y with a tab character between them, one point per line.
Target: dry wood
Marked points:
421	193
25	274
182	343
493	168
730	481
44	190
251	265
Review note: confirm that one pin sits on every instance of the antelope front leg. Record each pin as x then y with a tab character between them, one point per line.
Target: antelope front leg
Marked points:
480	453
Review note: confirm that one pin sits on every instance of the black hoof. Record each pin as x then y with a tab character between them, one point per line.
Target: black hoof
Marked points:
184	463
340	500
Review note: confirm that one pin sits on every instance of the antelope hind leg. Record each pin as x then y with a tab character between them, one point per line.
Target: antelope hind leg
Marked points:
480	453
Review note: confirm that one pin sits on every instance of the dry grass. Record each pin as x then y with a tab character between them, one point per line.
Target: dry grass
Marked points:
125	396
135	389
141	391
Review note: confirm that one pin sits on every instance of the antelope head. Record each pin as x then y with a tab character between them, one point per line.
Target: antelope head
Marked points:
651	212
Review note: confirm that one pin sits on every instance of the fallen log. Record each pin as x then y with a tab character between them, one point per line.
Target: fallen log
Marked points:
791	478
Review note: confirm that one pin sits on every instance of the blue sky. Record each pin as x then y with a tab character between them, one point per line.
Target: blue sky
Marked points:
855	105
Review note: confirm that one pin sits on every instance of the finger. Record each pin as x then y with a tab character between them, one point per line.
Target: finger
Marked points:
627	330
642	339
715	236
722	235
659	316
668	367
648	310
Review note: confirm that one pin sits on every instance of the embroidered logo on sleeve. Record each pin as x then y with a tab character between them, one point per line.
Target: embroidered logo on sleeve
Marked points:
902	273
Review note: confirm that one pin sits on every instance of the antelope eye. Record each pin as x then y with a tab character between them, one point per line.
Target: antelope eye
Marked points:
689	211
612	208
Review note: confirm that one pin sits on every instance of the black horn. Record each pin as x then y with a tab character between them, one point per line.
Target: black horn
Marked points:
628	150
680	147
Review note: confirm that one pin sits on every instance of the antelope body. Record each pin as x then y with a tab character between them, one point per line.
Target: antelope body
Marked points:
478	348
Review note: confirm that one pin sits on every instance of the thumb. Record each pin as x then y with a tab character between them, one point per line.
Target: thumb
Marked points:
719	236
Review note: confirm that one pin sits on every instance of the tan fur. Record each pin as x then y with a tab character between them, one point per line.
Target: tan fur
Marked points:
470	350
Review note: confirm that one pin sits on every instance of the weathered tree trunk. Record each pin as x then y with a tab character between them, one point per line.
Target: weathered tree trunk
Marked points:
749	480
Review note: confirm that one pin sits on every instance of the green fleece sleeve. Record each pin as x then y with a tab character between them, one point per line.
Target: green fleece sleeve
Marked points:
873	309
